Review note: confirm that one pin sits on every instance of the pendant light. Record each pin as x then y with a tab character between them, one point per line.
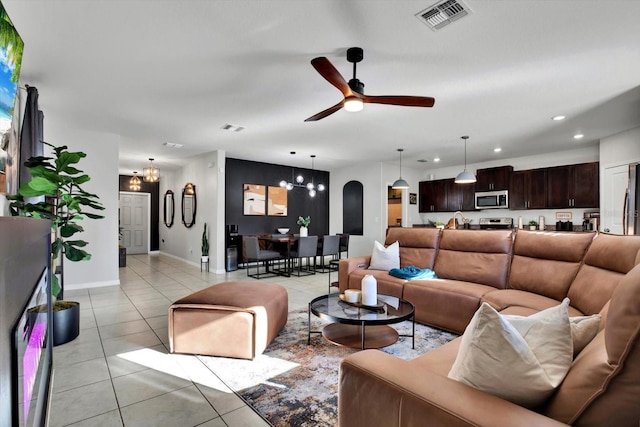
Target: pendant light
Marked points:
151	173
400	183
465	177
299	181
134	182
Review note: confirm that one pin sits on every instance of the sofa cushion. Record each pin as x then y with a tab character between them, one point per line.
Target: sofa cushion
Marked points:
547	263
503	299
608	259
520	359
444	303
603	385
385	258
476	256
418	246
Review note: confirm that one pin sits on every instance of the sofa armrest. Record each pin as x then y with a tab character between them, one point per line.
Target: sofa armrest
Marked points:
379	389
348	265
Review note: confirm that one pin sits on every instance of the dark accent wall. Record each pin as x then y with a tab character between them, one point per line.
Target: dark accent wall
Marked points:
239	172
154	189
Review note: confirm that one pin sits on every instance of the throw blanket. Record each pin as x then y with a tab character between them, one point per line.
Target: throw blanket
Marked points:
412	272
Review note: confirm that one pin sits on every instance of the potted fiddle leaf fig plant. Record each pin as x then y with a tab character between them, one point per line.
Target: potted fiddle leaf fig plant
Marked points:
65	204
205	245
304	225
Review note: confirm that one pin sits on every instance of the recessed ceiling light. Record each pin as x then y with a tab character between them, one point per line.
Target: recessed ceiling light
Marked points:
578	136
558	118
497	150
437	159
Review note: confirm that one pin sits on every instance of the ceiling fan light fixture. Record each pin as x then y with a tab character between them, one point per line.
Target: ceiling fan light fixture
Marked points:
465	177
353	104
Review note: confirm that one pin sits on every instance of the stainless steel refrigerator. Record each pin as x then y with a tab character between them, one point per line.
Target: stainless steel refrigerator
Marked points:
630	221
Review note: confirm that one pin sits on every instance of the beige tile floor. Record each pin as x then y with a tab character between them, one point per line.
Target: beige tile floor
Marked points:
118	371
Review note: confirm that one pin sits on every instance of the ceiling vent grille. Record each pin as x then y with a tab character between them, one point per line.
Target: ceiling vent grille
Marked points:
443	13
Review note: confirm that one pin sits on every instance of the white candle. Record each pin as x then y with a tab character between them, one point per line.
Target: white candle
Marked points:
352	295
369	287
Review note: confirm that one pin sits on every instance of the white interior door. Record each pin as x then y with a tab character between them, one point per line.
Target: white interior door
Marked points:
134	220
614	186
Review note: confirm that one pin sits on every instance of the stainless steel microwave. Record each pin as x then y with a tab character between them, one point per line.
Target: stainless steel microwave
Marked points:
492	199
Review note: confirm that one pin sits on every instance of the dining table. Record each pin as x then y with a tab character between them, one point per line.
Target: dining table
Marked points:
282	244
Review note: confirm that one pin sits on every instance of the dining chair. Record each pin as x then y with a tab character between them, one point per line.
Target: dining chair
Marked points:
253	253
328	247
306	248
343	247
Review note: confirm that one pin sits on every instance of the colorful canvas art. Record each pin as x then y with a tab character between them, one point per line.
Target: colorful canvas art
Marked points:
277	201
11	47
254	201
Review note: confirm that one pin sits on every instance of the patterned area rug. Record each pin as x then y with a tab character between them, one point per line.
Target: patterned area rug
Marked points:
295	384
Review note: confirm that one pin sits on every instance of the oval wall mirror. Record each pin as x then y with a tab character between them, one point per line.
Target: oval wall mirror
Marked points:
169	208
189	204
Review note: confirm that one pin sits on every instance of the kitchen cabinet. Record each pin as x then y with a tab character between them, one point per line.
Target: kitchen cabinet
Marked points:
460	197
433	196
493	179
573	186
444	195
528	189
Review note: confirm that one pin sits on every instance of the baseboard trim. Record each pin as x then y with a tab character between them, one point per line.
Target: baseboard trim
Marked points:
91	285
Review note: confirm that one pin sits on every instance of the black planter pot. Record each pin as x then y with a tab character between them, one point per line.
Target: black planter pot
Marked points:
66	322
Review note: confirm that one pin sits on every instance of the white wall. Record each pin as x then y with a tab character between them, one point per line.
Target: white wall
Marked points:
101	164
206	172
621	148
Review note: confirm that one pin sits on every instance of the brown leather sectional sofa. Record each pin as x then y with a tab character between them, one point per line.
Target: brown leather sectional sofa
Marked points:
520	273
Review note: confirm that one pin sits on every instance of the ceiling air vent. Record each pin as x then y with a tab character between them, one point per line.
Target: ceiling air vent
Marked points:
443	13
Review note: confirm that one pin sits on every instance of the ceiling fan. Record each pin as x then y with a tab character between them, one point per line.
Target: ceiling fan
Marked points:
354	98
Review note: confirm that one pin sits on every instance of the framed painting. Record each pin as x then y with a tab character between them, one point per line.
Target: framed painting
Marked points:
254	199
277	201
413	198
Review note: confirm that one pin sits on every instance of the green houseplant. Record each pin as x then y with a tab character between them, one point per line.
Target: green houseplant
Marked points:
205	245
304	225
533	225
65	203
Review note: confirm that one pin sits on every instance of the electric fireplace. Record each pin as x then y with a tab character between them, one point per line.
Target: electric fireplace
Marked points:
26	356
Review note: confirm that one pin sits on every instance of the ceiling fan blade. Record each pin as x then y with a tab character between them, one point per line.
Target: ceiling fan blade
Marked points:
325	113
407	101
333	76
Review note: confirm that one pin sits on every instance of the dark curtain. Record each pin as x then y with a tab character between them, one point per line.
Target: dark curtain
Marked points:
31	135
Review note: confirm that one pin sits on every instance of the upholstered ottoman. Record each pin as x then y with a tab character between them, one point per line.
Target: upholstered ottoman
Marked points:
230	319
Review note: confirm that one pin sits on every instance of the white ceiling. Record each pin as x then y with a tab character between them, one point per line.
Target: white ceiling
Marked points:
177	70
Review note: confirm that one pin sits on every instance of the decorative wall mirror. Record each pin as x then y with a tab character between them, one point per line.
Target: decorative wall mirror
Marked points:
169	208
189	204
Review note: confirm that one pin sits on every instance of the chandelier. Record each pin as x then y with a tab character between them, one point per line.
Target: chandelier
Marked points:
151	173
134	182
299	182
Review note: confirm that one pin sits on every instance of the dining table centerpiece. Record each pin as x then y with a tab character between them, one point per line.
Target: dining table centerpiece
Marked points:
304	225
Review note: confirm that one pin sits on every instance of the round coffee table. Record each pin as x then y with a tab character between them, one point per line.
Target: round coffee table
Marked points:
361	328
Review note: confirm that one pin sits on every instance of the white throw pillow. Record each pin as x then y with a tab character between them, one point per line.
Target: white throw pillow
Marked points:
522	359
385	258
583	329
